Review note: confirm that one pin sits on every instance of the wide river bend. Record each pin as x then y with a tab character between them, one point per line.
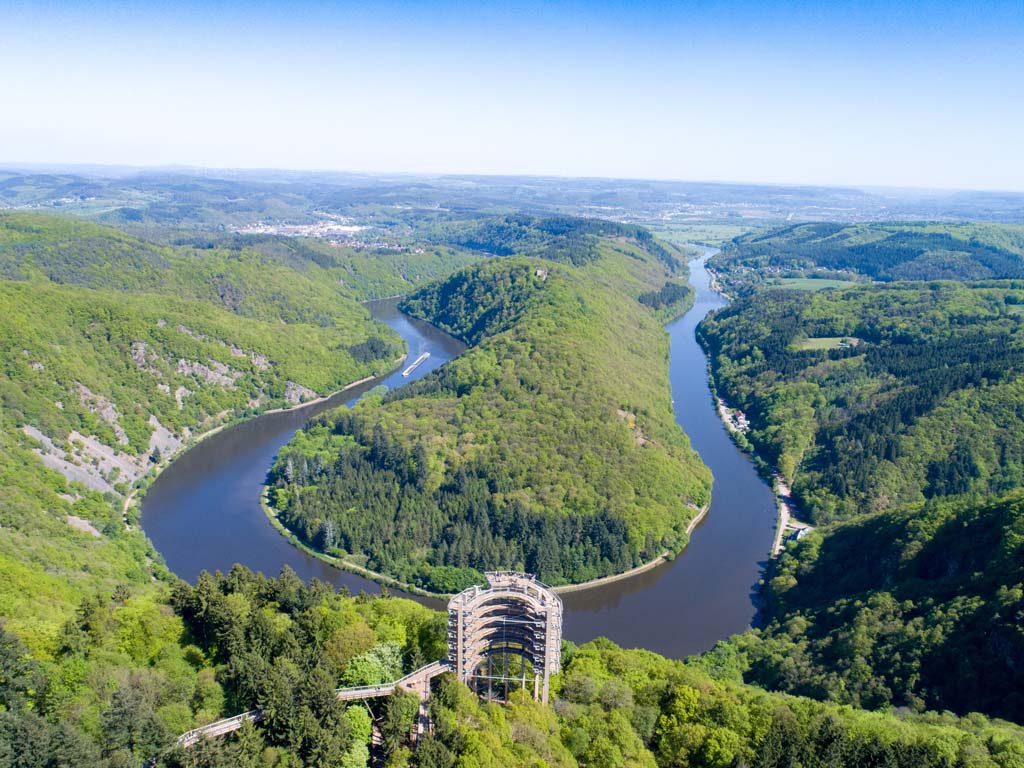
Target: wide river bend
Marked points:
203	511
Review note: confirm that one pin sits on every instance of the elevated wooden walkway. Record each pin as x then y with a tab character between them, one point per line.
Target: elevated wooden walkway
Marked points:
417	681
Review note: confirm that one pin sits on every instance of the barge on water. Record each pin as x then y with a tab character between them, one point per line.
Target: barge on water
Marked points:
416	364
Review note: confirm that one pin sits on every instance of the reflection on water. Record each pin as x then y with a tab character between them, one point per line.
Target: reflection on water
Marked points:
204	512
705	595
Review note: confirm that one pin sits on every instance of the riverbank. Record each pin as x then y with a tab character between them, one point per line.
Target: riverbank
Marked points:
142	484
737	426
787	518
664	557
715	284
390	581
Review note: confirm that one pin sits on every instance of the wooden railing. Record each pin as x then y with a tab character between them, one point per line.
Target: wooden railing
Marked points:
410	681
220	727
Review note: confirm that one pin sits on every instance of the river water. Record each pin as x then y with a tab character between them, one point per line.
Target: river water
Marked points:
204	511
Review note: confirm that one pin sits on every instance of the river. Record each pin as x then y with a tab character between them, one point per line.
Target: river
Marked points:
204	512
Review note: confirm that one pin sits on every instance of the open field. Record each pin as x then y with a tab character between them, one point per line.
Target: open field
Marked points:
813	283
825	342
712	234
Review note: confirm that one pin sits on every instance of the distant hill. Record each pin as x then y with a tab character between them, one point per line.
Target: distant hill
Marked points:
557	238
883	252
282	285
212	199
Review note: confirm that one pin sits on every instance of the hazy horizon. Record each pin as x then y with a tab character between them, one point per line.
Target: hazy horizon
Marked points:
116	170
923	96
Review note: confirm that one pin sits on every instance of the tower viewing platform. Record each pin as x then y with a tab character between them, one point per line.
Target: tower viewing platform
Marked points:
506	636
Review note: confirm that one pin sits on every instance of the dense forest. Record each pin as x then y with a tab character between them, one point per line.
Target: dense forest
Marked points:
537	449
882	252
115	350
921	607
390	267
879	395
556	238
894	412
237	641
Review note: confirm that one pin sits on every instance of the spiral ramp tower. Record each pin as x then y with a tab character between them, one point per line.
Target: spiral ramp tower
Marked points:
506	636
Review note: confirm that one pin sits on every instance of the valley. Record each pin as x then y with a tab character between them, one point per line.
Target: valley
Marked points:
567	430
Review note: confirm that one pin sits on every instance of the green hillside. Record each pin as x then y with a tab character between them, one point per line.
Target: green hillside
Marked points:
395	266
132	671
885	252
557	238
113	353
919	395
550	445
896	408
264	284
921	607
114	350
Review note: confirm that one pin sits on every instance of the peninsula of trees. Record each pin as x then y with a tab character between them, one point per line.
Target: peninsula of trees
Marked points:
549	446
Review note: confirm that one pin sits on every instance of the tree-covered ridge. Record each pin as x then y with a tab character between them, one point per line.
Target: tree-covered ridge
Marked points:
106	364
619	707
920	607
362	272
480	301
923	399
549	446
134	668
101	382
883	252
565	239
245	281
114	350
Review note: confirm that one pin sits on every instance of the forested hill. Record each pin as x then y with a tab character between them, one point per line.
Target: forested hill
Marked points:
135	345
133	671
549	446
898	409
557	238
878	395
920	607
874	251
296	284
105	657
113	353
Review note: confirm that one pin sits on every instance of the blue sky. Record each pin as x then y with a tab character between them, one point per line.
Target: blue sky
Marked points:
927	94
